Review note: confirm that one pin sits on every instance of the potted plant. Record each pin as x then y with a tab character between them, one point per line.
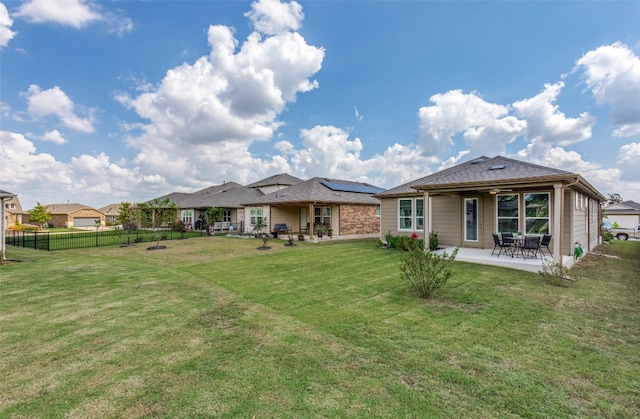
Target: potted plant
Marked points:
300	237
320	230
329	232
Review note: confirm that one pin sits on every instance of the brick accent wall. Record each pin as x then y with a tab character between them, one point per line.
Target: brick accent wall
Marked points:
359	219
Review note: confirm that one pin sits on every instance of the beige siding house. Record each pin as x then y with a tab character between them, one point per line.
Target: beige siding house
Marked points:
74	216
346	207
467	203
5	197
12	211
626	214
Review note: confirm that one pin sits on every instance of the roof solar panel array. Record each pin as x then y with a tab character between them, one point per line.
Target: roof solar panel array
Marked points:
351	187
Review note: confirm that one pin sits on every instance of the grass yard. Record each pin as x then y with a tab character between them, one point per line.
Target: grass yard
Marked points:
214	327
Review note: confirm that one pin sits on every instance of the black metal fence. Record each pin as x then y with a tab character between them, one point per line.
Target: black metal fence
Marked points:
46	240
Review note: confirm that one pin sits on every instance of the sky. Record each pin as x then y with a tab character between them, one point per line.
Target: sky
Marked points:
104	102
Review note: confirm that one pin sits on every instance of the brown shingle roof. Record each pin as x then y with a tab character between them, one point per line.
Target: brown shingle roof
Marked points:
482	170
313	190
283	179
66	208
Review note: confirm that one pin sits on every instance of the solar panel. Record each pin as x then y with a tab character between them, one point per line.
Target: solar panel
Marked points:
351	187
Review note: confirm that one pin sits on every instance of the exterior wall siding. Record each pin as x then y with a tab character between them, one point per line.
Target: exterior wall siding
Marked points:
389	216
446	219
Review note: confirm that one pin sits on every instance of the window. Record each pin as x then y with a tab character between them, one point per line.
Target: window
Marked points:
405	215
226	215
411	214
536	208
508	213
322	215
255	215
187	216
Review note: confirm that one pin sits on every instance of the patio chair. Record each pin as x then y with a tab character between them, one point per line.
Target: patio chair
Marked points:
507	239
530	247
499	244
546	240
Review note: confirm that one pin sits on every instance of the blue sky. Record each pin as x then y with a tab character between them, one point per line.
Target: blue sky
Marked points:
104	102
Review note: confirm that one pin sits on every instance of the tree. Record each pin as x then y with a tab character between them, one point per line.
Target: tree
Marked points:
126	218
213	215
614	198
39	215
160	213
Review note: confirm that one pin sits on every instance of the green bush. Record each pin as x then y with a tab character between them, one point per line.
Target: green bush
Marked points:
426	271
607	236
433	241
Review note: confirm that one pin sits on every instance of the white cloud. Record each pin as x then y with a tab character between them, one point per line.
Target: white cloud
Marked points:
203	117
56	102
546	124
486	127
75	13
328	151
629	161
358	115
272	17
91	180
612	72
53	136
6	34
21	166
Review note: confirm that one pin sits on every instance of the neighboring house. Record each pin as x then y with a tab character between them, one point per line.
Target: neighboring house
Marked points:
344	206
626	214
470	201
111	213
5	197
74	215
12	211
229	196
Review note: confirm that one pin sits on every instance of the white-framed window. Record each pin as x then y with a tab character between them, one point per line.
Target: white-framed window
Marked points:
186	216
508	206
226	215
411	214
536	212
255	215
322	215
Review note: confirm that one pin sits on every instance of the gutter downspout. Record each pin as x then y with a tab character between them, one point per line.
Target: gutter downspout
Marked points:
561	215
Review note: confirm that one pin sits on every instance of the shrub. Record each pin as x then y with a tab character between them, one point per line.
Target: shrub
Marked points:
433	241
555	274
426	271
608	236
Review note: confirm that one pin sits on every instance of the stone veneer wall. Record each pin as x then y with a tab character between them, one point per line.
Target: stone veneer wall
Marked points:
359	219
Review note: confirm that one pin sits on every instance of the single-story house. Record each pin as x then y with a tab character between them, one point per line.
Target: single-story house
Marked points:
467	203
111	213
74	216
344	206
12	211
5	197
229	196
626	214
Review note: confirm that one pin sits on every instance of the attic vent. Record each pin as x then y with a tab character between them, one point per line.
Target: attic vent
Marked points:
498	167
476	161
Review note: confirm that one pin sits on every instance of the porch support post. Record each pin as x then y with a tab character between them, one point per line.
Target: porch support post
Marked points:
311	218
557	221
427	218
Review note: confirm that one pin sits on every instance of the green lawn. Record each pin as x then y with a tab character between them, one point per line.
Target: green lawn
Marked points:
214	327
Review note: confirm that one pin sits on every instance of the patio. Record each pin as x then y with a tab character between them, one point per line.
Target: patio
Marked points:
484	257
